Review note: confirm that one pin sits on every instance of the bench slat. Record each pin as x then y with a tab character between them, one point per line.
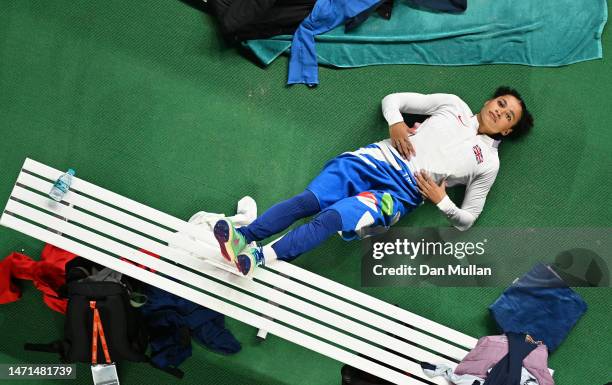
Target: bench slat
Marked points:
376	304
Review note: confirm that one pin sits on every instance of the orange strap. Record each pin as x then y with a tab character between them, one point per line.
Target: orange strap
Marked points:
97	328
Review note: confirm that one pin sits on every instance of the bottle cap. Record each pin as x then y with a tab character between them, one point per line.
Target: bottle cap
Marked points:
71	171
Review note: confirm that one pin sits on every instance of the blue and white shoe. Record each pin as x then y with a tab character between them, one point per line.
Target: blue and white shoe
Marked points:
249	259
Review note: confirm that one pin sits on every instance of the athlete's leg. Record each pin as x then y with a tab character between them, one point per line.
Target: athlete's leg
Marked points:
366	214
308	236
297	241
280	216
341	178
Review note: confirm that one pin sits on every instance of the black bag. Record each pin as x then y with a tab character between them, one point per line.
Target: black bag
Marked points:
126	341
125	337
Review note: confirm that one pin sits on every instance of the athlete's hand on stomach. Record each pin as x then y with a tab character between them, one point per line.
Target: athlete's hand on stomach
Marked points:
428	187
399	133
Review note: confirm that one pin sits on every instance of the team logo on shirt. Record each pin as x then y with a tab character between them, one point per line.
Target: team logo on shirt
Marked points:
478	153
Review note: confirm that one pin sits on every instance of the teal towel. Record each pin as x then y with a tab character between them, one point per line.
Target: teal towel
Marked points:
531	32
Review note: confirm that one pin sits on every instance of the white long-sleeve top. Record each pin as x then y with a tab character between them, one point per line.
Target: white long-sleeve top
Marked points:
448	146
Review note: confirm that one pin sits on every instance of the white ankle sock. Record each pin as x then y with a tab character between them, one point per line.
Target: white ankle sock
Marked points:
269	253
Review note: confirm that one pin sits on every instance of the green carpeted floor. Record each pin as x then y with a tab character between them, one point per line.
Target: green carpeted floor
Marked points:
144	99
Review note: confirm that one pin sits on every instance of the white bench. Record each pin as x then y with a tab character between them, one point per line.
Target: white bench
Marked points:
312	311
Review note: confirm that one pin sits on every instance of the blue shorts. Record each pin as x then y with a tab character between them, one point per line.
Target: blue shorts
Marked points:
370	197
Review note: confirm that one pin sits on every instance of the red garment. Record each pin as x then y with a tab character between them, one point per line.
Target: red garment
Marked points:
48	275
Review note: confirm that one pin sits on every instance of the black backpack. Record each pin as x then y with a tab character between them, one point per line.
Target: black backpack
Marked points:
126	337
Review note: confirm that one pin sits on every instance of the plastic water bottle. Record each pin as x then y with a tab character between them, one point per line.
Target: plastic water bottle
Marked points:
62	185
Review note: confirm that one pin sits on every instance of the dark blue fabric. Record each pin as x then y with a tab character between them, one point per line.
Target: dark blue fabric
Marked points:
280	216
308	236
170	341
325	16
539	304
383	8
442	5
172	322
508	370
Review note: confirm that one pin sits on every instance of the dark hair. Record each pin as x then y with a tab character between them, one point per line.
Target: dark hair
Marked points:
523	126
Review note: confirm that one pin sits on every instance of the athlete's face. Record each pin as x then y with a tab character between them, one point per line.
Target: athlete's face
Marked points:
498	115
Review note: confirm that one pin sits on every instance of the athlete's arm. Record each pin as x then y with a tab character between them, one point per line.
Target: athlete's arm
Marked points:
473	202
394	105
